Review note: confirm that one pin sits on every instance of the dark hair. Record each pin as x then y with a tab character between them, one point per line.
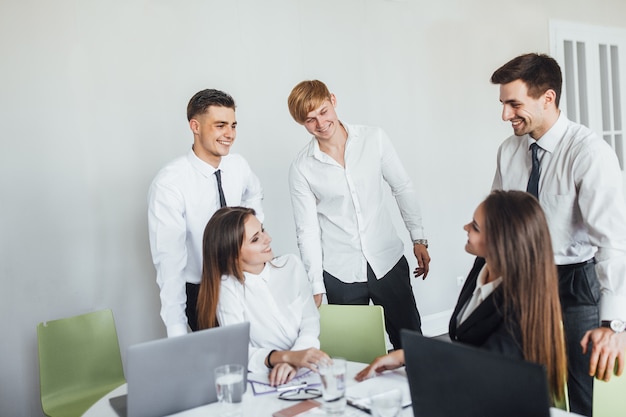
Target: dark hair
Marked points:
539	72
221	246
202	100
520	249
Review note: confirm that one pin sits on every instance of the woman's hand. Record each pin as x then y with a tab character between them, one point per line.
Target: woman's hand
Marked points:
281	374
392	360
307	358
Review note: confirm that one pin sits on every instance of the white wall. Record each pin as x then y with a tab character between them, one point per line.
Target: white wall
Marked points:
92	104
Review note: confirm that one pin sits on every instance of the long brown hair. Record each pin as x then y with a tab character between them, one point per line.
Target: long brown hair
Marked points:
520	248
221	247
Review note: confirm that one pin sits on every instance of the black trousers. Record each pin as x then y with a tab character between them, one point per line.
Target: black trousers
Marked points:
393	292
190	310
579	291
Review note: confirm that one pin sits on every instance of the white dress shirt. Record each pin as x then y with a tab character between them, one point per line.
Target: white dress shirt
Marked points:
481	291
279	305
182	198
581	192
341	219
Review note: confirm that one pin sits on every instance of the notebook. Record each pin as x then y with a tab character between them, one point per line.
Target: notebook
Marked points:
305	378
451	379
170	375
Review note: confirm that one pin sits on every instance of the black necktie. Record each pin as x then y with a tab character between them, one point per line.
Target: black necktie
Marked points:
533	181
218	175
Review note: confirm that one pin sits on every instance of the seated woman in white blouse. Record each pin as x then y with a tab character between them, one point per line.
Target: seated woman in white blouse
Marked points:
242	281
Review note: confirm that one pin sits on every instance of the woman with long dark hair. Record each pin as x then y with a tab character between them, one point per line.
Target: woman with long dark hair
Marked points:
509	302
243	281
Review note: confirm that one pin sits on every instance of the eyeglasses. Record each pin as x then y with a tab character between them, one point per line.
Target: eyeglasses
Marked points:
300	394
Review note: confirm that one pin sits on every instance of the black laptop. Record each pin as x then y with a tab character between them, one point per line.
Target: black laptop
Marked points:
451	379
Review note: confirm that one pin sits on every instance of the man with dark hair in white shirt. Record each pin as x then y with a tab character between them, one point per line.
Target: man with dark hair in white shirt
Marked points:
347	241
183	197
577	179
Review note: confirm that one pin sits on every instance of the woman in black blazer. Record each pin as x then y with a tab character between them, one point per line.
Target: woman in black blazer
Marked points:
509	302
485	326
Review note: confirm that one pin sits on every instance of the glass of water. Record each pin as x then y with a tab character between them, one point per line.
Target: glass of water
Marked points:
333	376
229	387
386	404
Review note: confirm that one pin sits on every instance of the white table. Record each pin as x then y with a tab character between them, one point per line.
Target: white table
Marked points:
261	405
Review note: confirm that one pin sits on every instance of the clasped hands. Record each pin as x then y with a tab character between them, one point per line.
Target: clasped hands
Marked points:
286	363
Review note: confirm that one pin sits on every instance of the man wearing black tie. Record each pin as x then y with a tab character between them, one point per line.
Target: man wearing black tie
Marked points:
577	179
183	197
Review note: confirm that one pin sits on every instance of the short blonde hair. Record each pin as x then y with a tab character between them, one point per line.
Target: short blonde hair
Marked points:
305	97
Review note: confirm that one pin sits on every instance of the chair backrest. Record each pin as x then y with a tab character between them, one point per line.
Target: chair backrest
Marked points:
609	398
563	403
353	332
79	362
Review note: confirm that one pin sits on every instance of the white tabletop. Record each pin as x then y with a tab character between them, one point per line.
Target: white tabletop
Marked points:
261	405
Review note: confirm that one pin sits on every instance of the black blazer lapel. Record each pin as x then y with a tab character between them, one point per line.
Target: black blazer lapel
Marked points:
465	294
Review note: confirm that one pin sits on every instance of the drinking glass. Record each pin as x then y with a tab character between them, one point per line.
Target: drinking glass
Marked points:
333	376
229	387
386	404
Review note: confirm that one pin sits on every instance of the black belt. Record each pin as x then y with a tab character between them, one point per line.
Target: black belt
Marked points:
578	265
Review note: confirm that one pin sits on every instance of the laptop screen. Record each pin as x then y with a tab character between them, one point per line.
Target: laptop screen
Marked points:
169	375
451	379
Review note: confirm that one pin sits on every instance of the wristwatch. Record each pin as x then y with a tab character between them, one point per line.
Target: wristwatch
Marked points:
618	326
421	242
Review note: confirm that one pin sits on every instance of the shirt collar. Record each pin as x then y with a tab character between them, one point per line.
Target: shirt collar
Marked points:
201	166
314	148
264	275
552	137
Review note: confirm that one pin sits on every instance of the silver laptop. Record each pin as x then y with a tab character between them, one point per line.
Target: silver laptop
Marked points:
451	379
170	375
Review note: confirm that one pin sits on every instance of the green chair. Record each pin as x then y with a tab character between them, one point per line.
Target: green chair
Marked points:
353	332
562	404
79	362
609	398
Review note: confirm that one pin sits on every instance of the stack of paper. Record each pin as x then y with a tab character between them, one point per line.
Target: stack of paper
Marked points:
358	395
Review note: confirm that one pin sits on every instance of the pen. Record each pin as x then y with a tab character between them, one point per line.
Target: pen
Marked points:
292	387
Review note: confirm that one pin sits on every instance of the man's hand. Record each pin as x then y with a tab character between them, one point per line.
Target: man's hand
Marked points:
606	347
423	260
318	299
